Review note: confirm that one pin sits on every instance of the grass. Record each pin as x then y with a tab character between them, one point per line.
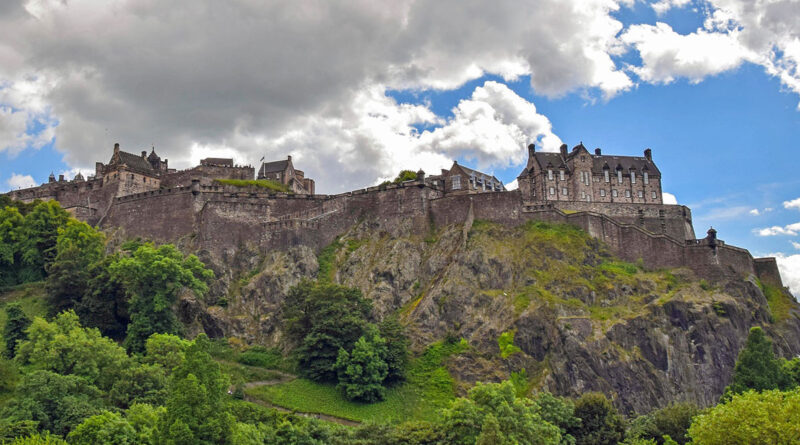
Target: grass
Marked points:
506	344
327	261
261	183
428	388
780	304
242	373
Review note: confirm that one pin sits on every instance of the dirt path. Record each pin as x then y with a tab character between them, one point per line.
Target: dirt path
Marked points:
286	378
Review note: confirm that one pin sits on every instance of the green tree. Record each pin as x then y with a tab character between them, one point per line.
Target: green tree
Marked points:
57	402
37	239
405	175
39	439
560	412
792	369
9	375
65	347
144	419
166	350
600	424
362	371
324	318
153	278
752	418
139	384
396	356
673	421
757	368
104	304
78	246
197	411
106	428
14	330
518	418
11	222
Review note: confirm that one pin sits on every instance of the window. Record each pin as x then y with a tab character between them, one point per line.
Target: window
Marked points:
564	191
627	193
583	158
550	174
552	190
602	192
614	193
456	182
561	175
619	176
583	195
605	175
646	178
653	194
641	194
633	177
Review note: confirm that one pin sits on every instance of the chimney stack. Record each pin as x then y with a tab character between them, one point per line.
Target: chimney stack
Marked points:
531	150
564	151
290	158
144	154
648	154
597	151
60	178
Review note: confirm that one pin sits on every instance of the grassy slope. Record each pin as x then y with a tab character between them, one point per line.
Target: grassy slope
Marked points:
262	183
32	298
428	388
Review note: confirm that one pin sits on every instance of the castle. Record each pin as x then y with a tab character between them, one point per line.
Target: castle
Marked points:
617	199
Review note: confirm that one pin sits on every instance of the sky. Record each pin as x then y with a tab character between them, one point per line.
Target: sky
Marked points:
357	90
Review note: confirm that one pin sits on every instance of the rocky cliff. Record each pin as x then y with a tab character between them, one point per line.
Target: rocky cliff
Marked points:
580	320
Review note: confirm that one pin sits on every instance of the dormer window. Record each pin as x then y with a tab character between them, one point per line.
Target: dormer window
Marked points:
633	177
646	178
606	176
561	175
456	182
550	174
619	176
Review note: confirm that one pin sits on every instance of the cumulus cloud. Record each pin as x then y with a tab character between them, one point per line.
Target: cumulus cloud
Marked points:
791	229
662	6
796	245
17	181
762	32
513	185
669	198
754	212
789	267
245	77
793	204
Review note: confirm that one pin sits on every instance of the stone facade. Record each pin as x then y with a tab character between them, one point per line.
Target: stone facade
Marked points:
169	206
578	175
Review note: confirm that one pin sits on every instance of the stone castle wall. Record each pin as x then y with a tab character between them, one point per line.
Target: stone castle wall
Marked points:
224	217
206	174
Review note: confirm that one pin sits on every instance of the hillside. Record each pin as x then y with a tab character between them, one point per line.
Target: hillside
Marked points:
560	306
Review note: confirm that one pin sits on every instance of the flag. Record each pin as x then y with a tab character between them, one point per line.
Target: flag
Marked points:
262	159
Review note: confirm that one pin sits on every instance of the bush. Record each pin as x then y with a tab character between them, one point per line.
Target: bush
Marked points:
262	357
600	422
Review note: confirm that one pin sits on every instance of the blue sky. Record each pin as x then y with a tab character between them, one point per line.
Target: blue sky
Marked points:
681	77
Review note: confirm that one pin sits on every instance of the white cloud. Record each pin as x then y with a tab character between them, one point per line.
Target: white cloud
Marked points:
754	212
669	198
513	185
18	181
793	204
791	229
789	267
243	76
662	6
796	245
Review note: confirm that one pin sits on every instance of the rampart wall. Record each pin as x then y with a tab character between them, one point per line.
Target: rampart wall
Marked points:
225	217
206	174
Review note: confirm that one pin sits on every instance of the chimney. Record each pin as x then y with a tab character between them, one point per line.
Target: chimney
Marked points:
60	178
144	154
648	154
421	175
290	158
597	151
564	151
531	150
116	148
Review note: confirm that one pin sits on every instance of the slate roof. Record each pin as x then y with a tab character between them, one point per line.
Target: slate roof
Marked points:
219	161
274	166
470	172
134	162
554	160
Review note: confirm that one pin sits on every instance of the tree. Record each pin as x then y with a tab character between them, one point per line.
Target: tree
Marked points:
757	368
144	419
14	330
107	428
792	369
153	277
57	402
197	411
673	421
396	357
768	417
78	246
518	419
10	258
39	439
560	412
104	304
166	350
37	239
362	371
600	422
324	318
139	384
65	347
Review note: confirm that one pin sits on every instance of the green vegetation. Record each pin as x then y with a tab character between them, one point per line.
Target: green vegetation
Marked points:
757	368
600	423
672	421
780	303
15	328
403	176
506	344
327	261
261	183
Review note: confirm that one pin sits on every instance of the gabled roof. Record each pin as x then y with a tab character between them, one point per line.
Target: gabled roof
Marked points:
547	160
470	172
639	164
132	161
274	166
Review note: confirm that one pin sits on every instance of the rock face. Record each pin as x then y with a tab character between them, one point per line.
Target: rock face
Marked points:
581	320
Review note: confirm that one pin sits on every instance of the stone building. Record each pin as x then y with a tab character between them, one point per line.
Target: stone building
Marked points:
460	179
132	173
284	172
581	176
